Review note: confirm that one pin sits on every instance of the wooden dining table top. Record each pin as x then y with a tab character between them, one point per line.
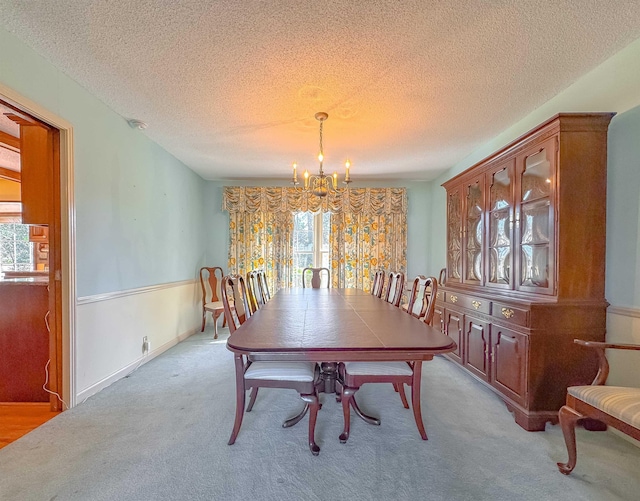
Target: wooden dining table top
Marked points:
335	324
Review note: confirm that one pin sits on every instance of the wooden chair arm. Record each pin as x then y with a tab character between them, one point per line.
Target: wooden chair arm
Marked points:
603	369
597	344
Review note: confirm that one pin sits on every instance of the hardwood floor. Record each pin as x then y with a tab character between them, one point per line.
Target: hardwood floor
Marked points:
18	419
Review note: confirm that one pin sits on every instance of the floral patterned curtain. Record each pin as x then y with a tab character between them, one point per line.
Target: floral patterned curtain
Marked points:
262	240
362	244
368	231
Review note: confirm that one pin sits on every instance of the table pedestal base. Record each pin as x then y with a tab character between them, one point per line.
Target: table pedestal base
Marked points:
327	384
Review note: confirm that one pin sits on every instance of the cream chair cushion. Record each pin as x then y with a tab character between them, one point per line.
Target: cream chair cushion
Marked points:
281	371
215	305
617	401
378	368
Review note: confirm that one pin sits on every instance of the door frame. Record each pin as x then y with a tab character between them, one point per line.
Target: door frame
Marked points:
68	230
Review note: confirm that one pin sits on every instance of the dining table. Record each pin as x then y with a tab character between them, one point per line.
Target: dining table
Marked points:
327	326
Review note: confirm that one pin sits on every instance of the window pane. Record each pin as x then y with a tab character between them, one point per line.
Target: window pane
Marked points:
16	252
326	229
310	242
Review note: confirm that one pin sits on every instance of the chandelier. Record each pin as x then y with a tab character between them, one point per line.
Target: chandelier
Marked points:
321	184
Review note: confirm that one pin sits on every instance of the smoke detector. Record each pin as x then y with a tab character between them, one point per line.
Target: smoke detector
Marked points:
137	124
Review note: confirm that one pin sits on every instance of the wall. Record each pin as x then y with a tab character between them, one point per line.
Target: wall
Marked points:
612	86
139	221
417	220
623	244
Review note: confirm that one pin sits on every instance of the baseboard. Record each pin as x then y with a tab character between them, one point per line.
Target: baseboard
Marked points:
128	369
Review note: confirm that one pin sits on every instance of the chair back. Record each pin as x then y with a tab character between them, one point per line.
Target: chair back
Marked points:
317	277
443	276
416	298
378	283
395	288
210	282
262	276
254	291
429	299
234	295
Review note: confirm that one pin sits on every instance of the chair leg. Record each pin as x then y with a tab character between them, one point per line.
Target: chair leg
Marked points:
204	319
568	419
415	398
313	403
338	391
399	387
347	395
240	396
252	398
215	324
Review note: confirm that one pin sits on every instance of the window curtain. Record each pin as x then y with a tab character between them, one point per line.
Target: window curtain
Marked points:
262	240
368	231
361	244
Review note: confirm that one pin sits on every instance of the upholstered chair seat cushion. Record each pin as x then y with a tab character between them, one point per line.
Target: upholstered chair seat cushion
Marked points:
281	371
215	305
378	368
620	402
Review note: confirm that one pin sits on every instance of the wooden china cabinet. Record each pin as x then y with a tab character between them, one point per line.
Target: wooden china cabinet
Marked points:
526	264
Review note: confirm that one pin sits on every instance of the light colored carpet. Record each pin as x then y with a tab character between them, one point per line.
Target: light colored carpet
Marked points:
162	433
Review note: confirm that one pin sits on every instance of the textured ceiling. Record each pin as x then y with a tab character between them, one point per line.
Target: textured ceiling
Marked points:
231	87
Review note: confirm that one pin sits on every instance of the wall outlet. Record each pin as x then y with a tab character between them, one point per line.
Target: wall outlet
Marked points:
146	345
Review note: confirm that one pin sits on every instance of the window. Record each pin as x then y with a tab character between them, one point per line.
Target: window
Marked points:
310	242
16	251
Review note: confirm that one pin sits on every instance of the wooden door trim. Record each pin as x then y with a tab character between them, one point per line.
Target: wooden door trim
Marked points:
66	344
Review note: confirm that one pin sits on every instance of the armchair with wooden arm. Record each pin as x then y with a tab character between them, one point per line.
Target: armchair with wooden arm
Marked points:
615	406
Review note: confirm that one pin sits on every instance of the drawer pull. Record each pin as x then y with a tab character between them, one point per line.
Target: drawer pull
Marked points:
507	312
476	304
438	295
454	299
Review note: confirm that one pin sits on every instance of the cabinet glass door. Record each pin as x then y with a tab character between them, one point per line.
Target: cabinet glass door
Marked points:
500	260
454	236
536	181
473	231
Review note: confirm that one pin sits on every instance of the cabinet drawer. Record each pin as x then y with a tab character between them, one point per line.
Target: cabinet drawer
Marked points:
508	313
469	302
39	234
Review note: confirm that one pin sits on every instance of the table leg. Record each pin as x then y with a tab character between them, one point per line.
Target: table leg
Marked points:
296	419
366	418
240	395
329	375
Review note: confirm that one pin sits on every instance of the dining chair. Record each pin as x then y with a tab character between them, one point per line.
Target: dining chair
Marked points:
419	297
395	288
266	295
300	376
254	290
210	280
378	283
354	374
318	276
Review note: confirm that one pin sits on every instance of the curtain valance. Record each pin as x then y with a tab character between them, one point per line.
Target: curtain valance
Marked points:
365	201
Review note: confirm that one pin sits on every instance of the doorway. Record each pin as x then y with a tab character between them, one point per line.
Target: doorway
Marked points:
32	381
